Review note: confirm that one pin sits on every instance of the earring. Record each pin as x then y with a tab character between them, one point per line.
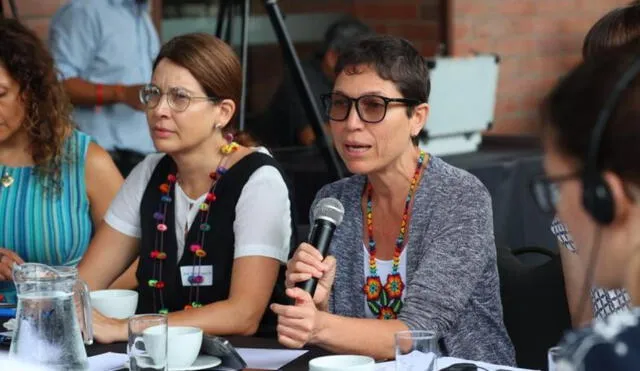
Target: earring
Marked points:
217	126
228	137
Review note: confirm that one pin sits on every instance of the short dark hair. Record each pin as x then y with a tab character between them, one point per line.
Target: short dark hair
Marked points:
393	59
344	32
572	108
616	28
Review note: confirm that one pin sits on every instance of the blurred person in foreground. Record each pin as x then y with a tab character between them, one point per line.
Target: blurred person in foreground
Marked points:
592	180
614	29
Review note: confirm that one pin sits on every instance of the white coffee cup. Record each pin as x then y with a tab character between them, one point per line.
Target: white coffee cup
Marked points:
155	340
342	362
118	304
183	346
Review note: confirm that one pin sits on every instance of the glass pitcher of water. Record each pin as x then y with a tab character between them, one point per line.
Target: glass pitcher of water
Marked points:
50	300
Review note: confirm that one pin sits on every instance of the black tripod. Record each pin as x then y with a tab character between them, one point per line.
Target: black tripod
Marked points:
226	12
12	5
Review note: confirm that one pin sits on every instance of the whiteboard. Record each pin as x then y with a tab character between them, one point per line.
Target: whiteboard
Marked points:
463	95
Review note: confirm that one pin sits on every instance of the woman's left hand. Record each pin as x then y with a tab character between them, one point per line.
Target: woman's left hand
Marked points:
108	330
297	324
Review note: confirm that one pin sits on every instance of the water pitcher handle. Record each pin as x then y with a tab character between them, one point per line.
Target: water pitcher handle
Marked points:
82	290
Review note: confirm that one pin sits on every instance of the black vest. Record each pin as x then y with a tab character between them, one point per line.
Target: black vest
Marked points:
219	241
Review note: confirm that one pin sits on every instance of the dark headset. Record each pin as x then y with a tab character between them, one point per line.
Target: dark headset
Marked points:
596	195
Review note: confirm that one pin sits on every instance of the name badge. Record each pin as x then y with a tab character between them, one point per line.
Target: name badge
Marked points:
194	275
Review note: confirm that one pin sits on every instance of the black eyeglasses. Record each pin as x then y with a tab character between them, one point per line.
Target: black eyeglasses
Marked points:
546	192
178	99
371	108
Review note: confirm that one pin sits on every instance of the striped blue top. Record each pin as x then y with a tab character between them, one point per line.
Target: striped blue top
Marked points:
47	227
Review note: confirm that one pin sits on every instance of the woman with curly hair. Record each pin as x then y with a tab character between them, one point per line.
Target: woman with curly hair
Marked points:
55	184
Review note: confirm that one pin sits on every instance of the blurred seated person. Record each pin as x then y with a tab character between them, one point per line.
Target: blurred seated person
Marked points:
208	217
415	250
616	28
55	183
592	180
285	122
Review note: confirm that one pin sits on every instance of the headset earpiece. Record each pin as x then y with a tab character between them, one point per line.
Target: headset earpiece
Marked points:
597	199
596	194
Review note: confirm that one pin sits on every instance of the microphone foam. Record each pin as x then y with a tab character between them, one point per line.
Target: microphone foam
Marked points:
329	209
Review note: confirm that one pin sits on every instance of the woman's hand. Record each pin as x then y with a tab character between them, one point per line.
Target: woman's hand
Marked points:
307	262
7	259
297	324
108	330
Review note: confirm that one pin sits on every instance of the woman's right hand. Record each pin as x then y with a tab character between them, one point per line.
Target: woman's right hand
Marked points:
108	330
307	262
7	259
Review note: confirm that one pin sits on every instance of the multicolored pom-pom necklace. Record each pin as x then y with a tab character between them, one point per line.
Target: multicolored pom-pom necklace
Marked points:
158	255
385	302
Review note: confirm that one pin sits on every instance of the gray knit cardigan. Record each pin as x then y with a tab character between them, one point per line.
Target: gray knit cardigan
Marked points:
452	277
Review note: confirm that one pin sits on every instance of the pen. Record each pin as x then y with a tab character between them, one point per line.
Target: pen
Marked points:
7	312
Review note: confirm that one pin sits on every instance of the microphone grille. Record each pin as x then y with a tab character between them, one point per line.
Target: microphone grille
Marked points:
329	209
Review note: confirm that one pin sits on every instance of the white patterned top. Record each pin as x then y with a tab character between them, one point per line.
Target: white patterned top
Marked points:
605	302
612	345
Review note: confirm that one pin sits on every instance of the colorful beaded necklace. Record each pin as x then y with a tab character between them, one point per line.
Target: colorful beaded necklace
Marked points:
158	255
386	301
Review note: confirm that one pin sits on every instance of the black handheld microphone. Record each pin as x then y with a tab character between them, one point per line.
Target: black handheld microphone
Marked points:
327	215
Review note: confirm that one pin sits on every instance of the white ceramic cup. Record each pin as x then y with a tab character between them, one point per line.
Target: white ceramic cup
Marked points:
342	362
118	304
183	346
155	339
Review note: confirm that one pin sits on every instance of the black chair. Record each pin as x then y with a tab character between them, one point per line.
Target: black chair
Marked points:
535	309
518	221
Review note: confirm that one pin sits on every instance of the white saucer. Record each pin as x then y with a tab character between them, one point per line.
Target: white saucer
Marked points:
201	363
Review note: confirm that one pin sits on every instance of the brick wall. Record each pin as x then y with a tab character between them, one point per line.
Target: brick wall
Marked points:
538	41
415	20
35	13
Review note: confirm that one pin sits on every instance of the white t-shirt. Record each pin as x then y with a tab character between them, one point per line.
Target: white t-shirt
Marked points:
384	269
262	226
